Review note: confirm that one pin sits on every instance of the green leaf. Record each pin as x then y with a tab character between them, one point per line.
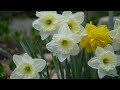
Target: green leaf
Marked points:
26	47
61	68
55	65
12	66
1	68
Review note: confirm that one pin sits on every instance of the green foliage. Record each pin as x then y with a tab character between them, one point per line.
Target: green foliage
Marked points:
4	31
12	66
3	76
17	36
1	68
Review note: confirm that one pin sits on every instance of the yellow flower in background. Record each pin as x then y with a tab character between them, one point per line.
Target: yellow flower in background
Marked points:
95	36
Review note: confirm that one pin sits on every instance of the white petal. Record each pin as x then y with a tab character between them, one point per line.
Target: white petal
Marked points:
118	60
36	25
79	16
52	46
99	51
101	72
76	38
117	24
67	14
39	64
116	46
82	29
44	35
62	57
54	12
27	58
17	59
112	72
38	13
14	75
93	62
113	33
75	50
64	29
56	37
37	76
109	48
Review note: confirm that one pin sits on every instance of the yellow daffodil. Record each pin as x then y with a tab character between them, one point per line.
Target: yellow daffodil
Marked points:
105	61
64	43
115	35
95	36
47	23
26	67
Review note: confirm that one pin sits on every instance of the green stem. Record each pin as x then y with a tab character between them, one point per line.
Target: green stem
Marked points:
68	76
56	68
41	75
48	75
81	63
61	70
40	50
72	68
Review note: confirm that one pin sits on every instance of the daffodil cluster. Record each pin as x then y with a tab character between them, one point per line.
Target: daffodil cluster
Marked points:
105	59
68	36
66	31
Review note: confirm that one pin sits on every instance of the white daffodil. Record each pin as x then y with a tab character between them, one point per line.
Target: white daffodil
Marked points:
105	61
26	67
74	21
64	43
47	23
115	35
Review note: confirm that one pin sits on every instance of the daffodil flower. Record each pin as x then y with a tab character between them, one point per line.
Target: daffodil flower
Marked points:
47	23
74	21
26	67
105	61
115	35
94	37
64	43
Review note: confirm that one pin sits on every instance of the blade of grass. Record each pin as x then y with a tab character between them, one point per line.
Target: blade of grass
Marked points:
56	68
87	72
40	50
26	47
48	75
61	69
67	69
72	68
41	75
81	62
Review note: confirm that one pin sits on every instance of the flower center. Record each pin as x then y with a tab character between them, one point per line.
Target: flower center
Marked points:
106	61
70	26
48	22
64	42
27	69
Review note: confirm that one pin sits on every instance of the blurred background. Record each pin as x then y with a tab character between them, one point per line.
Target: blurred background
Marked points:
16	24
